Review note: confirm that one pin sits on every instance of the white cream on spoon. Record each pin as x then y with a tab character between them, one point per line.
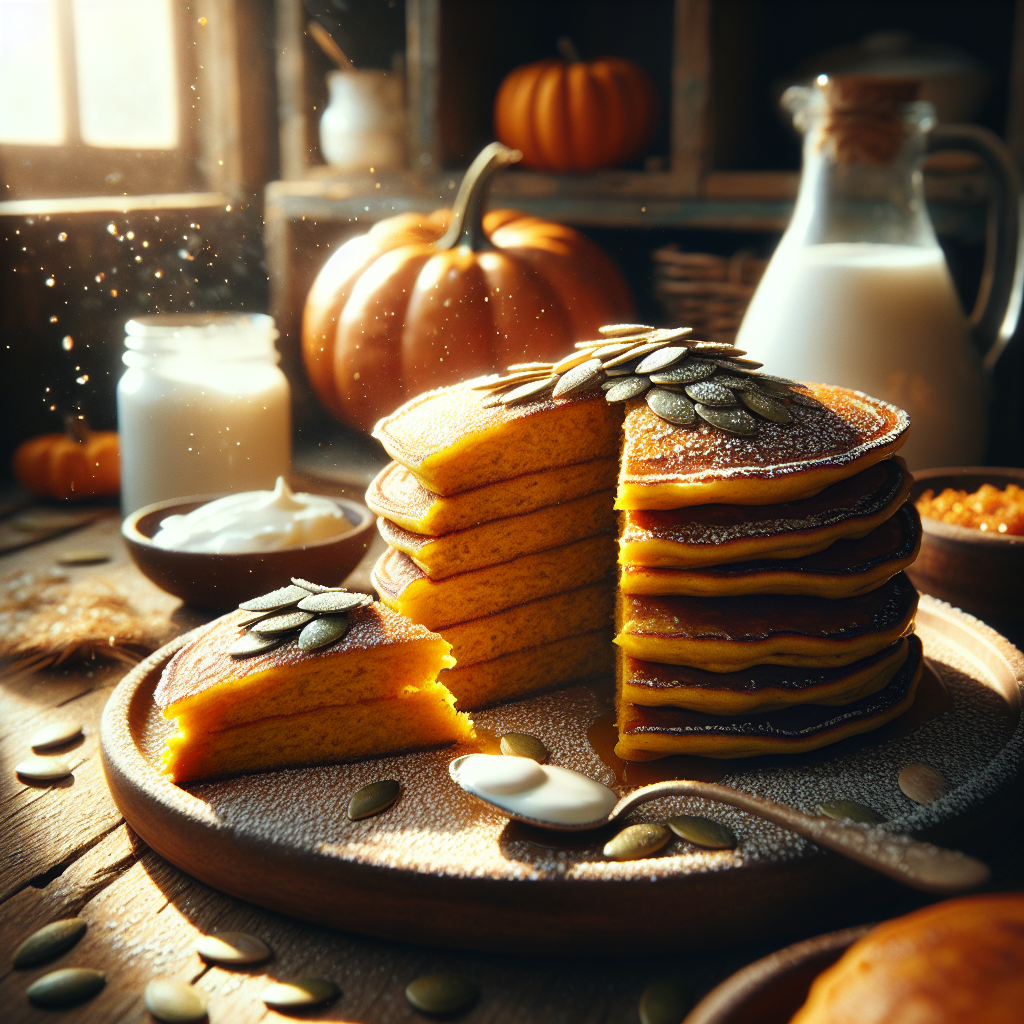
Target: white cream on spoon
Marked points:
254	521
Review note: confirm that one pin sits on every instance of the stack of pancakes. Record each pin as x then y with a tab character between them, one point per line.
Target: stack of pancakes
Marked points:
500	526
762	607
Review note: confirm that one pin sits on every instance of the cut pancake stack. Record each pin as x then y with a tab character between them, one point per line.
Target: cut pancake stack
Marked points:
501	535
762	606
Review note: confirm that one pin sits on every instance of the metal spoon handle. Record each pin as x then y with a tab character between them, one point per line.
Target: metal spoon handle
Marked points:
910	861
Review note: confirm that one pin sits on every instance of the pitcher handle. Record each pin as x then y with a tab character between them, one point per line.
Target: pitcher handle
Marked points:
997	309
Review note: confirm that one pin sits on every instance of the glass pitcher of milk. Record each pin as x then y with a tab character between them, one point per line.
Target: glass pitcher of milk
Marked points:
858	292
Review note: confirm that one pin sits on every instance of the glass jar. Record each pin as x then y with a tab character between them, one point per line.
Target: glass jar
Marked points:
203	407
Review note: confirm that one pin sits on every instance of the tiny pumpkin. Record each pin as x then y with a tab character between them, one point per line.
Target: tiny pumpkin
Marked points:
80	463
575	115
422	301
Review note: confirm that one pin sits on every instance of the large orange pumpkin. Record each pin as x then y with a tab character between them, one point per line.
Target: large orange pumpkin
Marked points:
424	300
573	115
80	463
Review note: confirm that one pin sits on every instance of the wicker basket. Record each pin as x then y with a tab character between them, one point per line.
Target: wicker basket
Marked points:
705	292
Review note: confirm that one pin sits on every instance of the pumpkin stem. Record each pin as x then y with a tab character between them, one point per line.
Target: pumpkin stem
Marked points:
567	50
77	427
466	226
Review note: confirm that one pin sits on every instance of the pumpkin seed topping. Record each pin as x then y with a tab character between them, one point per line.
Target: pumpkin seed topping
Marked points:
298	994
662	359
634	353
373	799
637	841
522	744
530	390
325	630
519	367
41	768
625	370
627	388
672	406
732	421
276	600
702	832
340	601
49	942
66	987
578	379
232	948
664	1002
849	809
922	783
313	588
571	361
282	623
174	1002
441	993
618	330
55	735
688	373
711	393
770	408
253	643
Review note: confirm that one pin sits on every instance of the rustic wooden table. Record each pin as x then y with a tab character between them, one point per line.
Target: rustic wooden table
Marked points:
65	850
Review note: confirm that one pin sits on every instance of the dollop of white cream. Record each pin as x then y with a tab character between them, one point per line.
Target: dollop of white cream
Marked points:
541	792
254	521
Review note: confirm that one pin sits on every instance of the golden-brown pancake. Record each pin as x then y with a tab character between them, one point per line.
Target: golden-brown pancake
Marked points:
728	634
454	440
646	733
406	588
834	434
711	534
844	569
760	688
501	540
397	495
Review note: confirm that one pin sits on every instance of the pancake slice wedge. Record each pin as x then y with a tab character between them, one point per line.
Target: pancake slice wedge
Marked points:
729	634
647	733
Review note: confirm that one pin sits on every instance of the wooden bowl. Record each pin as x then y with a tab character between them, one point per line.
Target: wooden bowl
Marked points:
771	990
220	582
977	571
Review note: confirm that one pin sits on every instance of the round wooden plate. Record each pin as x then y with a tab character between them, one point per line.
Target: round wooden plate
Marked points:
438	867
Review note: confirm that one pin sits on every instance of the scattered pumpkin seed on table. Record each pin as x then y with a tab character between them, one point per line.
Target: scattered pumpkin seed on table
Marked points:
710	834
521	744
441	993
55	735
637	841
229	948
922	783
66	987
299	994
41	768
49	942
373	799
849	810
174	1002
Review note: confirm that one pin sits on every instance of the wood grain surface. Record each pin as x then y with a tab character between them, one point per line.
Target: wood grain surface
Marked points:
65	850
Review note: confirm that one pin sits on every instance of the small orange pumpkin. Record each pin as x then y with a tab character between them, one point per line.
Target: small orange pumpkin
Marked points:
80	463
423	301
574	115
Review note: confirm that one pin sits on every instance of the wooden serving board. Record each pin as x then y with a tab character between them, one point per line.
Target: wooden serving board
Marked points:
438	867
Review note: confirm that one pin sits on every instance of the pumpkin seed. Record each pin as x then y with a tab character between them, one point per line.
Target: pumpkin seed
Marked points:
83	556
772	379
336	602
252	643
531	390
372	799
49	942
282	623
608	351
618	330
66	987
520	367
232	948
42	768
922	783
327	629
849	809
441	993
717	348
55	735
314	588
746	364
627	388
578	379
710	393
734	383
686	373
276	600
571	361
174	1002
703	832
514	379
770	408
298	994
662	359
733	421
664	1002
671	406
636	841
634	353
625	370
522	744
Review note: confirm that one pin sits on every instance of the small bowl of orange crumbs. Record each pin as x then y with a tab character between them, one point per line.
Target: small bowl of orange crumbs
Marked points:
972	550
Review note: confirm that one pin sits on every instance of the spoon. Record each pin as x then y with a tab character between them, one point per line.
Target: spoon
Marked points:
564	800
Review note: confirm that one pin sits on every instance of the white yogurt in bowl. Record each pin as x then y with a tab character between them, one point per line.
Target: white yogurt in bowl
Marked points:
254	521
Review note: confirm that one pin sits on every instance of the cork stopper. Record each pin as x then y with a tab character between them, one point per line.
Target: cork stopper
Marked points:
864	121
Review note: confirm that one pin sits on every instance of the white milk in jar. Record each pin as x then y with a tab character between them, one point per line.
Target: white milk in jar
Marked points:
203	407
876	318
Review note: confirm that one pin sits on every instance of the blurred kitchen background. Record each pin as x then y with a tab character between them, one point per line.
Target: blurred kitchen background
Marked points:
169	156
